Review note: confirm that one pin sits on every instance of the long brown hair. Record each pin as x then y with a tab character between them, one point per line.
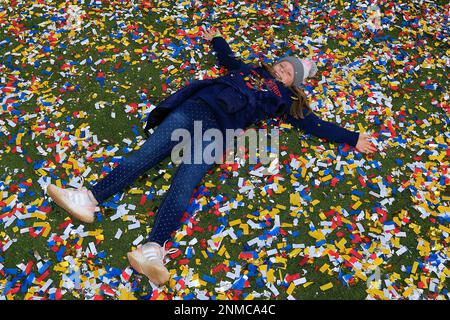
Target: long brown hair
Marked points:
300	101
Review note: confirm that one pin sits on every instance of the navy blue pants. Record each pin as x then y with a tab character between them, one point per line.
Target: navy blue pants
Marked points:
157	147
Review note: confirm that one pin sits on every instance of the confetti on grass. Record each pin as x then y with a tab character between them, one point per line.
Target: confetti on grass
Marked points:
76	85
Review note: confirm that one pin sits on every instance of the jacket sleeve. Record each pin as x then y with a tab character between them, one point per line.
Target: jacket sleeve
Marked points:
323	129
225	55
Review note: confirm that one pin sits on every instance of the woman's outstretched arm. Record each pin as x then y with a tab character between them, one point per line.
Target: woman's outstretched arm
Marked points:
323	129
225	55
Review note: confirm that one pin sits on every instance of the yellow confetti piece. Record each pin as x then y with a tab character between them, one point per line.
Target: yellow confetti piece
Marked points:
270	276
44	225
407	292
280	259
291	288
303	172
245	228
10	199
39	215
326	287
249	297
222	250
41	172
375	230
341	244
447	271
360	275
294	199
324	268
443	228
235	222
356	205
317	234
126	295
280	275
61	266
211	185
378	261
414	268
295	252
20	46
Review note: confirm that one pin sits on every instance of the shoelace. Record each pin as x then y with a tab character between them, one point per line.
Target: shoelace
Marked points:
158	252
77	197
170	251
81	187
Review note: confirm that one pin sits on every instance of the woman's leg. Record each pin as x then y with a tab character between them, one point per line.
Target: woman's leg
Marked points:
157	147
186	178
149	258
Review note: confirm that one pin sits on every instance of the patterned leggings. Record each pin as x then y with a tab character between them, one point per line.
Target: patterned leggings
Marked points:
157	147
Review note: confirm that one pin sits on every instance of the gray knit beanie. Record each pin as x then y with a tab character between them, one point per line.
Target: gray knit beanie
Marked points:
303	68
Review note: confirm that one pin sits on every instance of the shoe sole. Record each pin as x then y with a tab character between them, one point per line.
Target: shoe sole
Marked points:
57	196
156	274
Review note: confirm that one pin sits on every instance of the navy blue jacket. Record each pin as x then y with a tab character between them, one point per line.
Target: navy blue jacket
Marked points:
248	93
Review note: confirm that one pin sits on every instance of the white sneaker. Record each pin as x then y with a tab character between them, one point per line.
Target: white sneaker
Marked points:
78	202
149	260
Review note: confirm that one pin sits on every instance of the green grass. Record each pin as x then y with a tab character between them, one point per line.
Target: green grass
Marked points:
122	88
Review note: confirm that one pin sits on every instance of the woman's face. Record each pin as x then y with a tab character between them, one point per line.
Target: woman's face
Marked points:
284	72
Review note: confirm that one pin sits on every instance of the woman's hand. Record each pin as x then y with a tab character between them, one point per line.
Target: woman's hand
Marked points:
210	33
364	145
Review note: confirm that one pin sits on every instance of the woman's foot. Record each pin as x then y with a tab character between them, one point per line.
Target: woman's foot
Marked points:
148	259
79	203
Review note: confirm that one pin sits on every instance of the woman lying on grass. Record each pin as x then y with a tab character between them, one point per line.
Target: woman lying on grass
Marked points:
242	97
